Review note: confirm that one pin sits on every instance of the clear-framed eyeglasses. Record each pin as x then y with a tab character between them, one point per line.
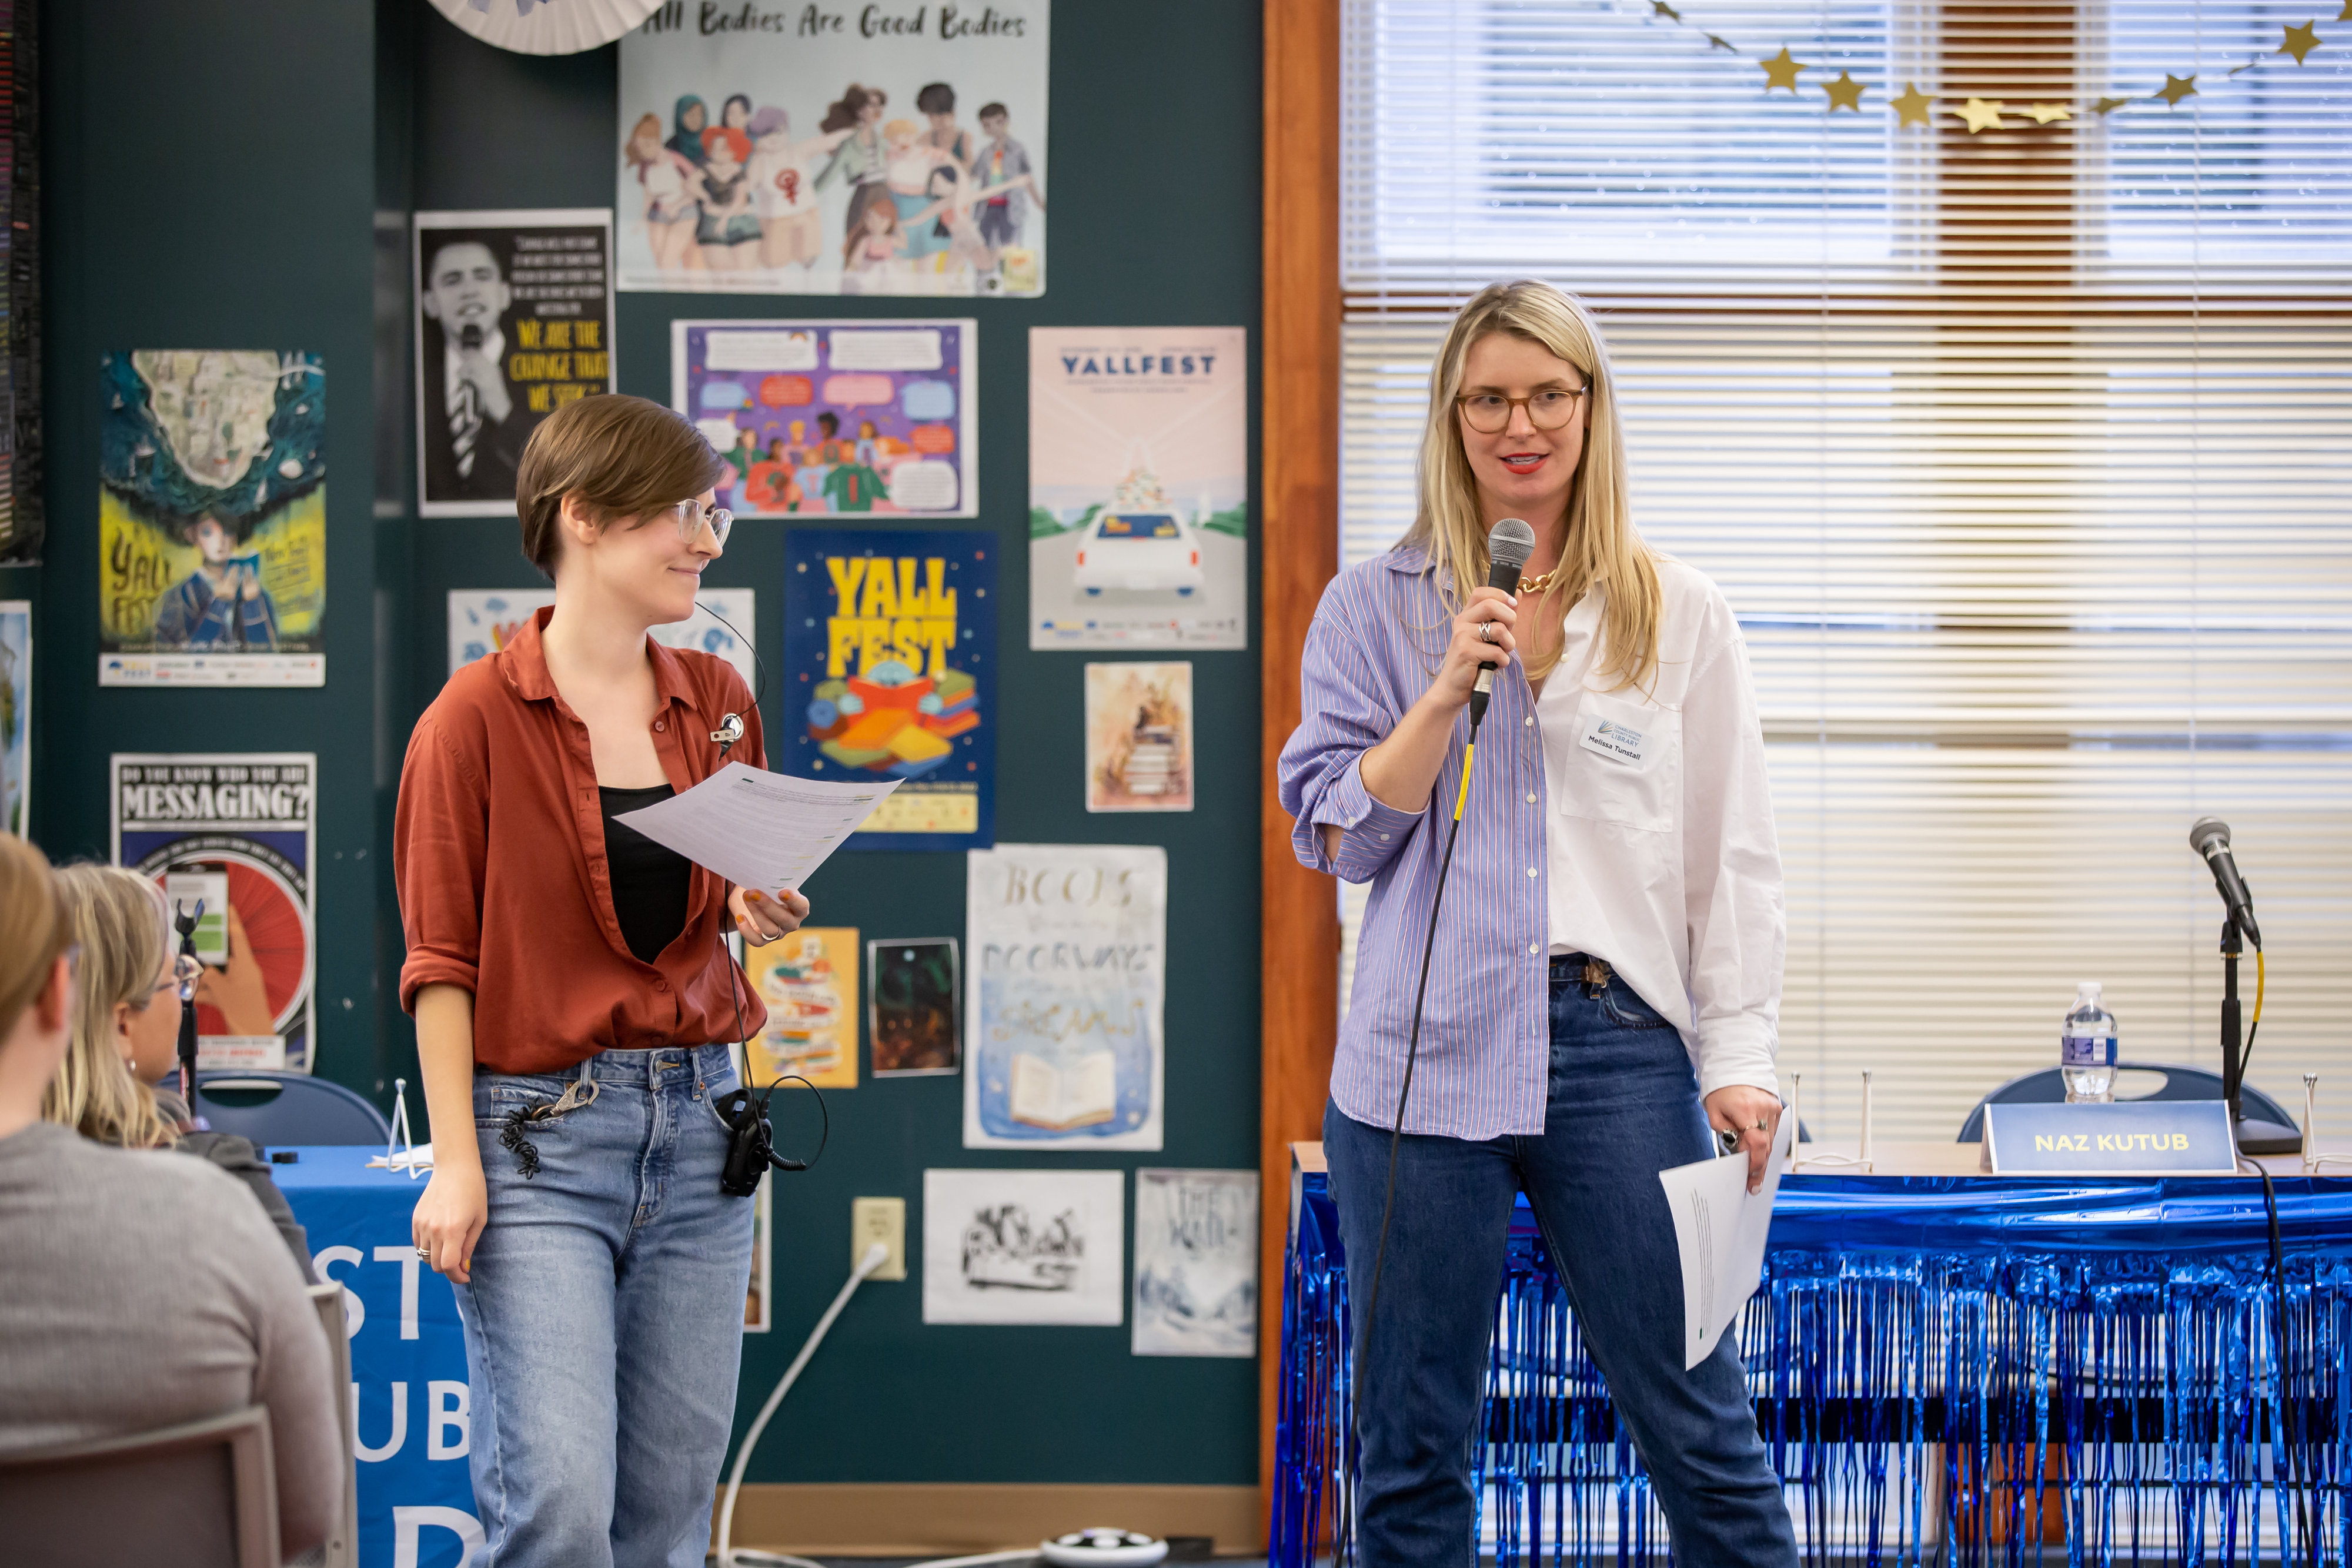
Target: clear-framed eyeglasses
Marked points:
1489	413
185	971
691	516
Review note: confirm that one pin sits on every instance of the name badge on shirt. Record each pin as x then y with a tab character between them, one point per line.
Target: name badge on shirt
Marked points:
1618	742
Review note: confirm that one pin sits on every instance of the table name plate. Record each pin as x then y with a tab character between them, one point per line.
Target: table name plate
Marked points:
2149	1137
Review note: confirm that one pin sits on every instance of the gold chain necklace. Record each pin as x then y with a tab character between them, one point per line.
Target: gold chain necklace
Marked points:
1538	584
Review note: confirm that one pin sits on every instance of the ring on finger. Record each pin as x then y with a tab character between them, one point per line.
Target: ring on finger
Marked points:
1485	631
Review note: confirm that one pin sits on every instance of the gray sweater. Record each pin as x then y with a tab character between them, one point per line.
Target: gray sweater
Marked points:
143	1290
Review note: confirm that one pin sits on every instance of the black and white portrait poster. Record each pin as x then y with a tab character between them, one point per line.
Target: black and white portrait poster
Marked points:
1023	1247
514	319
774	148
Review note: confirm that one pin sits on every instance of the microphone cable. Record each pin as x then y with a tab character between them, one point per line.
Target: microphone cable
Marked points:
735	970
1508	544
1396	1128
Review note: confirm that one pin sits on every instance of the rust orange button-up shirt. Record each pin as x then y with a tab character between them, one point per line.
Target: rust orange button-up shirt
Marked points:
498	855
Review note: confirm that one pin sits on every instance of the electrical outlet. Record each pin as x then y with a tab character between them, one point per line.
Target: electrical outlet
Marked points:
882	1219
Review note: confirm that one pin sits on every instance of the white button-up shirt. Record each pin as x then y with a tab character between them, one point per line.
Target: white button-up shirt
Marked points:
1659	835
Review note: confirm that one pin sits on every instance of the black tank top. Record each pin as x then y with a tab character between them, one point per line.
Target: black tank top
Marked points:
650	882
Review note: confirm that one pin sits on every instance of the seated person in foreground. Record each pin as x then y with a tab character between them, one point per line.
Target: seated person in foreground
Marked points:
138	1290
126	1037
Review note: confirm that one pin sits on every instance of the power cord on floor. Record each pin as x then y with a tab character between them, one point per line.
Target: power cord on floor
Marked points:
875	1257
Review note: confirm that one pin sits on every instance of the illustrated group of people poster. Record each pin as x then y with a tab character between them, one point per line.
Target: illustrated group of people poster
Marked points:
894	165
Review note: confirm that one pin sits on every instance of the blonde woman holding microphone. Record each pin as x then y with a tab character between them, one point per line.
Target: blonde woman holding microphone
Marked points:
1603	992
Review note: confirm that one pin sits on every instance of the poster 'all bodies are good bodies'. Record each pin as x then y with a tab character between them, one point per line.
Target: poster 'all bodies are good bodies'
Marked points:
239	833
765	148
1064	996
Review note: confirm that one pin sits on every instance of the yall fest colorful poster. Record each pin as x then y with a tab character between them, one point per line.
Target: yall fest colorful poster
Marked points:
890	650
238	833
212	518
873	149
818	418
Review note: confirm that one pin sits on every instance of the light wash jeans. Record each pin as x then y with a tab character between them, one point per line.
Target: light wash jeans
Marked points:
1623	1106
604	1322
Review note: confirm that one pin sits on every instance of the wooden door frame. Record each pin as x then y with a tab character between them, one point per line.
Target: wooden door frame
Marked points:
1299	470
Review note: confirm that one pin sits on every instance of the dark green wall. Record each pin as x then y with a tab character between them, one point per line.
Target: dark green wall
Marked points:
214	183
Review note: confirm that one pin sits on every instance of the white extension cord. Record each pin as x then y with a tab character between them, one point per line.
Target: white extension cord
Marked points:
1108	1548
876	1256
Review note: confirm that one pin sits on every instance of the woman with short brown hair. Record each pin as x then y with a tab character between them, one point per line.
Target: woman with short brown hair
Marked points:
575	1000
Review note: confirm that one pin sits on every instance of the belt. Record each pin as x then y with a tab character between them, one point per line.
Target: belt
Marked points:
1582	968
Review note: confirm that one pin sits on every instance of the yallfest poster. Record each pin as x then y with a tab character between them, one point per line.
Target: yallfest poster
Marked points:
212	518
767	147
890	659
236	833
1139	488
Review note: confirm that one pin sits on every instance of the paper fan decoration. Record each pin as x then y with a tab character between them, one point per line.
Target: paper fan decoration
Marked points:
547	26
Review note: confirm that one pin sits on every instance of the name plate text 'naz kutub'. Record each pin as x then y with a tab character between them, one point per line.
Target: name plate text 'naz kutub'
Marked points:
2147	1137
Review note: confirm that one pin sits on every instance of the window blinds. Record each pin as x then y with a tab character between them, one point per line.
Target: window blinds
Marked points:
2024	455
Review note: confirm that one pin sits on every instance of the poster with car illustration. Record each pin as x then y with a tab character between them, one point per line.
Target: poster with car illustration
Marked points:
1139	488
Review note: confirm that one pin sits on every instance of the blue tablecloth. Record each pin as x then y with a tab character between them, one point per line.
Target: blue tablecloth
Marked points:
408	1358
1946	1369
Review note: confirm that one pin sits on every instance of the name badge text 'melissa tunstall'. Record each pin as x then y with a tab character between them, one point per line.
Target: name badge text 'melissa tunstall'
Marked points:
2143	1137
1618	742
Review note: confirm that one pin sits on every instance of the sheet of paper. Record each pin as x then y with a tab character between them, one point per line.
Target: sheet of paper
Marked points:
758	828
1719	1230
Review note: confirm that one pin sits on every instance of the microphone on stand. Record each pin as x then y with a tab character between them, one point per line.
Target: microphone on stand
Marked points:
1507	549
2209	837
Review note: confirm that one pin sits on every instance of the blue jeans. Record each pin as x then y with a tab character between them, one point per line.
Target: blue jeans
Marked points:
1622	1106
604	1322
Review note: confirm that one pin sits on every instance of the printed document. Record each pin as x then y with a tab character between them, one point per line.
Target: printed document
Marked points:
756	829
1719	1230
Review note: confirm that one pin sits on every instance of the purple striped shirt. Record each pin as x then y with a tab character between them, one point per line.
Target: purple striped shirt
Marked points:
1689	911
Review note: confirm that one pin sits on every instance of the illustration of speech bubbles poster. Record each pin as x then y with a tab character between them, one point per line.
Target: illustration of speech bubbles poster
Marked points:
835	419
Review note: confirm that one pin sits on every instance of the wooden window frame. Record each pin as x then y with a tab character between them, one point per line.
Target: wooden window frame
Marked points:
1298	1011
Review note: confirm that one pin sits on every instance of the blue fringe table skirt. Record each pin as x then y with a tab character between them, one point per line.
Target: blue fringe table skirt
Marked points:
1946	1369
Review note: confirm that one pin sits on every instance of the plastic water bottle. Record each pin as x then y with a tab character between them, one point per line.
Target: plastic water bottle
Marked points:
2086	1049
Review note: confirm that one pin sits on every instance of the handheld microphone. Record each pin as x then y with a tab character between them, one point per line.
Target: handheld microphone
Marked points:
2209	837
1507	549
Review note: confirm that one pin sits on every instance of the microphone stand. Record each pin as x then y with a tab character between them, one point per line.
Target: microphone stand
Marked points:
2257	1136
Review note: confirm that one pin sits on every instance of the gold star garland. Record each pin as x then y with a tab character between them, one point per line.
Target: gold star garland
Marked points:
1913	107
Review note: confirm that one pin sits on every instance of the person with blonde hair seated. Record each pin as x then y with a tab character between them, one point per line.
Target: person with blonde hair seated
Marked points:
138	1290
132	988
